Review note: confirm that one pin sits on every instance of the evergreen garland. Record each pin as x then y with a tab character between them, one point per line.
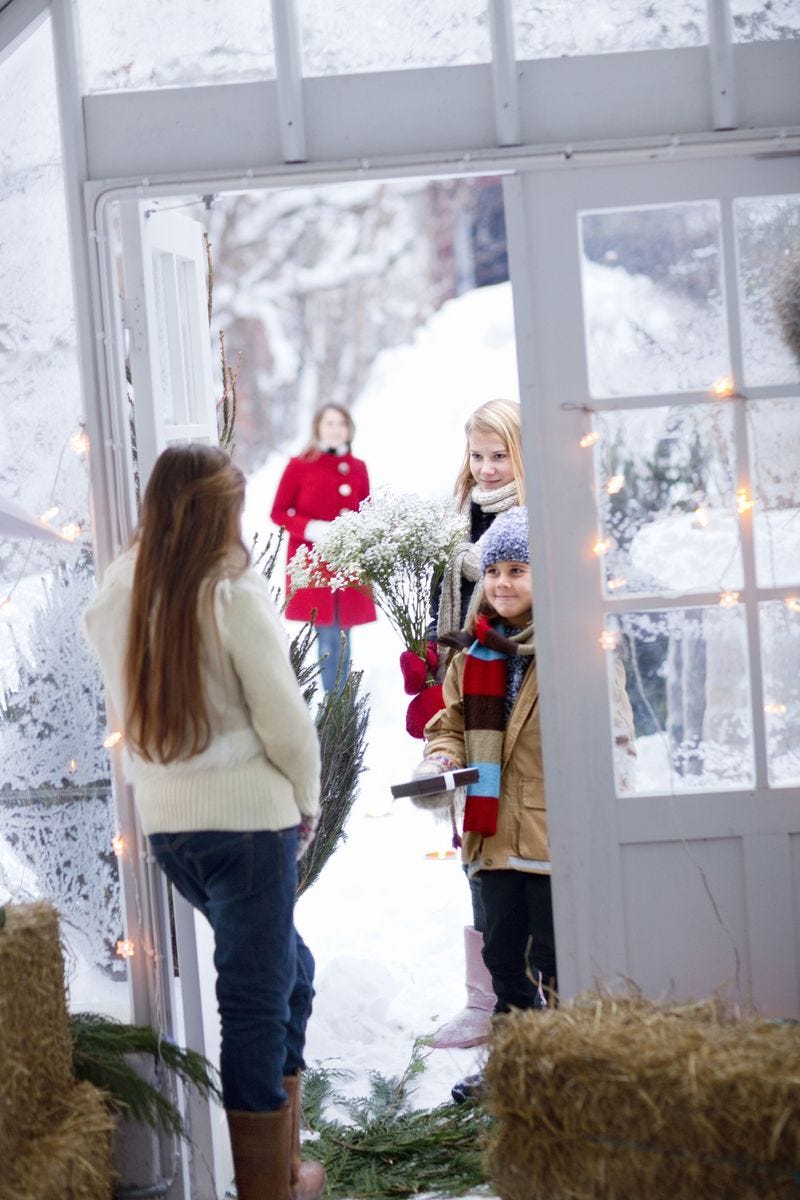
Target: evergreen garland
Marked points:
389	1151
100	1050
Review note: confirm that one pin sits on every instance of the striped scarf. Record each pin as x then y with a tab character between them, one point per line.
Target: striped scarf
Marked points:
484	690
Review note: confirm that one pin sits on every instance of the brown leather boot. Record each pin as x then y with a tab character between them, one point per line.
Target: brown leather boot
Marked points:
307	1179
261	1143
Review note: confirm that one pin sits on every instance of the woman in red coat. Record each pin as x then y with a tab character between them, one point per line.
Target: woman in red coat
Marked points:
322	482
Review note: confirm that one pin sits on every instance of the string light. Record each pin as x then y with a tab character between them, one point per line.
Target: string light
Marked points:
118	845
437	854
49	514
700	517
723	387
615	484
113	739
79	443
792	603
589	439
7	607
608	639
729	599
125	948
775	710
618	582
743	501
73	766
601	547
71	532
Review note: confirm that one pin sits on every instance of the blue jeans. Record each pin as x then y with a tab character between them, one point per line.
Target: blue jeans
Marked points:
333	641
244	883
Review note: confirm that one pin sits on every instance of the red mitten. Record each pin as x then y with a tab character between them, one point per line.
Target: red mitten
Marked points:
424	706
432	657
414	671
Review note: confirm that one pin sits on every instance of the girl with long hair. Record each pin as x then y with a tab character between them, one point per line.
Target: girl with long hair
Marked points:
324	480
224	761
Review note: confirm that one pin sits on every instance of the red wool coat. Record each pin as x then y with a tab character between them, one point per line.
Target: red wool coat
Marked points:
319	489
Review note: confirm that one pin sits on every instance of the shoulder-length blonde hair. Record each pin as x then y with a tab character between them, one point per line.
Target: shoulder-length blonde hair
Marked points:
311	448
498	418
188	538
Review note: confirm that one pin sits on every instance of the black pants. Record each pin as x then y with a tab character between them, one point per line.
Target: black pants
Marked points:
518	940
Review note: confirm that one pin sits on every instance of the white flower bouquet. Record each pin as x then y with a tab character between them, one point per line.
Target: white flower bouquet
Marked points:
397	545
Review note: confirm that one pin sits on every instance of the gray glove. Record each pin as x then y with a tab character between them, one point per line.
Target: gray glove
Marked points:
436	765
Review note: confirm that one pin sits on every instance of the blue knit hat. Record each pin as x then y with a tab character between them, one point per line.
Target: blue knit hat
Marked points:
507	538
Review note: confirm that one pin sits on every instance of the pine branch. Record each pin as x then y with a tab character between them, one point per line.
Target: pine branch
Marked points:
100	1050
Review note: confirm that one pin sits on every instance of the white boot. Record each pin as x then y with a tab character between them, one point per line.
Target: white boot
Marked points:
471	1026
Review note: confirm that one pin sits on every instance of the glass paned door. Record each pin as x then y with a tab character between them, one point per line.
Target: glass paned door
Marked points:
662	426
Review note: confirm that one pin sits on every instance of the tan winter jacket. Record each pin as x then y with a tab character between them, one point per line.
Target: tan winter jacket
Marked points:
521	842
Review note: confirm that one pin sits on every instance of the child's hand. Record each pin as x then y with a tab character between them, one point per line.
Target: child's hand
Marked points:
306	832
437	764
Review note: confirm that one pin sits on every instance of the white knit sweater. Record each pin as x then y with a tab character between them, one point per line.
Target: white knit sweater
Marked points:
261	767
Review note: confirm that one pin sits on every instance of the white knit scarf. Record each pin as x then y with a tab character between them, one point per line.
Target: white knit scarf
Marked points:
466	560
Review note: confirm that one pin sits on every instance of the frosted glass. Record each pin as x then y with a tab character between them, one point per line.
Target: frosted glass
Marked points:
768	244
765	22
773	431
152	44
653	309
688	683
665	482
556	28
56	811
343	37
780	651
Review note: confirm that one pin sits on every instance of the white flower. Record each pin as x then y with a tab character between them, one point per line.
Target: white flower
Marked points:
398	545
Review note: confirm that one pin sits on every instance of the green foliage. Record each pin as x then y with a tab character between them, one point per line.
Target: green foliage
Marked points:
342	720
100	1050
389	1150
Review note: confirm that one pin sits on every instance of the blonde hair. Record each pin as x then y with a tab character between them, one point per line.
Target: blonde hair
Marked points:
497	418
311	449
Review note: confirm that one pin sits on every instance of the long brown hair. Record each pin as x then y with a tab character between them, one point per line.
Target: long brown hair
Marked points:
311	449
497	418
188	536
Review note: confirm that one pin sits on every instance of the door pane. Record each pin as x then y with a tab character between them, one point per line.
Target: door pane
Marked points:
759	22
652	296
780	649
140	44
343	37
774	439
666	486
768	242
688	682
554	28
56	809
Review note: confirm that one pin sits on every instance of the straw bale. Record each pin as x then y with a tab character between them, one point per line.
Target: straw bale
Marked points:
624	1099
35	1046
72	1161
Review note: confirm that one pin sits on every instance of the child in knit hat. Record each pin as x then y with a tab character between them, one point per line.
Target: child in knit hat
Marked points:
490	721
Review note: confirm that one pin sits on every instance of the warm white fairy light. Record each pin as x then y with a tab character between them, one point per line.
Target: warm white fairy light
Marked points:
601	547
79	443
792	603
723	387
743	501
728	599
617	582
700	517
125	948
589	439
113	739
71	532
49	514
118	845
615	484
775	710
608	639
73	766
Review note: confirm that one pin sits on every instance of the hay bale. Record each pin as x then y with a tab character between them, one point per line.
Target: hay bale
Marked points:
612	1099
35	1041
72	1161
